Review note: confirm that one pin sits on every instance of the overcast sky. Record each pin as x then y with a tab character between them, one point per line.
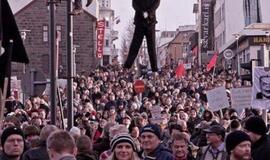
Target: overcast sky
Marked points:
170	14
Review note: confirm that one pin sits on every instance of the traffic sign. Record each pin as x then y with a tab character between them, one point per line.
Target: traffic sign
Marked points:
139	86
228	54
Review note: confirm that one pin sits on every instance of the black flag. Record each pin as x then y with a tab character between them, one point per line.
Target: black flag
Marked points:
9	32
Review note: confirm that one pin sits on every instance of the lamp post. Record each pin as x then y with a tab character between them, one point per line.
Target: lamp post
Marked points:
70	64
53	77
23	35
237	36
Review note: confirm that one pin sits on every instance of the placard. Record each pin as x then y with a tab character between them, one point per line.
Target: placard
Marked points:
217	98
156	115
261	88
241	98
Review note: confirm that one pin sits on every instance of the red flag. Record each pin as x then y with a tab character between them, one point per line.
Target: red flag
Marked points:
212	62
180	71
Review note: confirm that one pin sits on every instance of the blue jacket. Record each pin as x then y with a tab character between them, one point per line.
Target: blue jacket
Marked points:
160	153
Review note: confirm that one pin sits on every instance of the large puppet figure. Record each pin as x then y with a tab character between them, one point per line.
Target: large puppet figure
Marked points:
78	6
145	22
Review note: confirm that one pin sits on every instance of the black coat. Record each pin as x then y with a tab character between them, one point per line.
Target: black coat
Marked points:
3	156
39	153
86	156
101	145
148	6
260	150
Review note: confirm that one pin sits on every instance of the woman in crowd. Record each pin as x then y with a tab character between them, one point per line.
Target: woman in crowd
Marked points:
123	148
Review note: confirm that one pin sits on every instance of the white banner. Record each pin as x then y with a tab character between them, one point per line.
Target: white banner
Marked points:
187	66
217	98
241	98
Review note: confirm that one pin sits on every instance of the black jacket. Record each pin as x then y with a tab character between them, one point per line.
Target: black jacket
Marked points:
3	156
86	156
101	145
260	150
39	153
148	6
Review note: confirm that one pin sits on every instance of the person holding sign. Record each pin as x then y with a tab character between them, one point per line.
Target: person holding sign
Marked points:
145	21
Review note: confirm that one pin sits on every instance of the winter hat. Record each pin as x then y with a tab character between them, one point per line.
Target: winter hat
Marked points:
123	137
75	131
235	138
10	131
256	125
153	128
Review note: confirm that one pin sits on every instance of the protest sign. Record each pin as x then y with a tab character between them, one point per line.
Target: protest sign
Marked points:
217	98
241	98
156	115
261	88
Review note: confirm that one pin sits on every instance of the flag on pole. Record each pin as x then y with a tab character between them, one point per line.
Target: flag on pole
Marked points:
14	51
212	62
180	71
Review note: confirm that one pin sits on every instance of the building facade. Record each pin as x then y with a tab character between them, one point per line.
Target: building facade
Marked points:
33	20
250	20
178	50
165	38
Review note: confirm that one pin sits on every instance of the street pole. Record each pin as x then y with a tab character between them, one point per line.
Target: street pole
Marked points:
238	57
52	62
70	61
237	36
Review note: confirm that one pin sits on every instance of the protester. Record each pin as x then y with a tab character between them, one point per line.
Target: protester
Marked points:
180	147
84	146
61	146
150	137
123	148
216	149
105	97
256	129
31	136
13	143
238	146
40	152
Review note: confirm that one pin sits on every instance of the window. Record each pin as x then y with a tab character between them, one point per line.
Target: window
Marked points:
45	33
106	59
107	43
217	18
223	12
252	11
223	37
107	24
248	57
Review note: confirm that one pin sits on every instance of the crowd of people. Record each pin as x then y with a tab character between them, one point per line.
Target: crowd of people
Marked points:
112	122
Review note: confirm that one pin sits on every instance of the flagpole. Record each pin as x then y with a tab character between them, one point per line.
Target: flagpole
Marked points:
70	66
53	77
213	74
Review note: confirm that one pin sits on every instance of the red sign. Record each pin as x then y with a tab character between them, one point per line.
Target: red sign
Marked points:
100	37
139	86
